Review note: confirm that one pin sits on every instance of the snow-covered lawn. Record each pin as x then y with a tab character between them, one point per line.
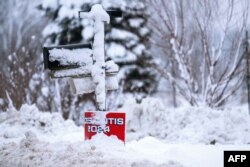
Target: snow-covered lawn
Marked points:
189	155
33	138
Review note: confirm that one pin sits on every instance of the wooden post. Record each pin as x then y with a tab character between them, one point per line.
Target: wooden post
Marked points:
99	15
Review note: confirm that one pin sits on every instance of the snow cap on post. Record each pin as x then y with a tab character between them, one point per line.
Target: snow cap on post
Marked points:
96	13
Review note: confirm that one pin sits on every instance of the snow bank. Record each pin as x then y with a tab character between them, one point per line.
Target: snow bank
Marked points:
32	138
101	151
187	124
47	126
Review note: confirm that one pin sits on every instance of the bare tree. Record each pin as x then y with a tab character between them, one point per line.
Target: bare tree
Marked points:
20	48
202	41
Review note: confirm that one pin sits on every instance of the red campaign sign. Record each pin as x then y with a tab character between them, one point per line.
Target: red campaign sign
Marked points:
114	124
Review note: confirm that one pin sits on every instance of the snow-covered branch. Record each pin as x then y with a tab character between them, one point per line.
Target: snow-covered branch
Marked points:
207	49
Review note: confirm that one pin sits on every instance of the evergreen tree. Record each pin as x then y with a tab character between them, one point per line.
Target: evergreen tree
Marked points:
126	39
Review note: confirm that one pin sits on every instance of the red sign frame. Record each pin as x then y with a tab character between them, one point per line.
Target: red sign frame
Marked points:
115	124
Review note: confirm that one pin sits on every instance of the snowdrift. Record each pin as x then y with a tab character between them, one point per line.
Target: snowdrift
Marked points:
33	138
101	151
197	125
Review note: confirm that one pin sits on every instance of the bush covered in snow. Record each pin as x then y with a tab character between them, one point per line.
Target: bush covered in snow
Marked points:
48	126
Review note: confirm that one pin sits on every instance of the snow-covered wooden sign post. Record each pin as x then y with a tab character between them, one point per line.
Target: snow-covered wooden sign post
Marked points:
88	72
99	15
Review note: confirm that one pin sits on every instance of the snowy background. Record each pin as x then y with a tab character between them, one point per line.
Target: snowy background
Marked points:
182	83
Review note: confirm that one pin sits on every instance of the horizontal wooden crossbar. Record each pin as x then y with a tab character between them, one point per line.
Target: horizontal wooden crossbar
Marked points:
112	13
55	65
52	75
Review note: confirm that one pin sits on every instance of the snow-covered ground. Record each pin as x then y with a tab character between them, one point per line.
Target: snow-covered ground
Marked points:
196	125
33	138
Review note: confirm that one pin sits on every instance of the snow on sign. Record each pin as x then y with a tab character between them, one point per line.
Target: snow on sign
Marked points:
109	123
87	85
88	72
83	65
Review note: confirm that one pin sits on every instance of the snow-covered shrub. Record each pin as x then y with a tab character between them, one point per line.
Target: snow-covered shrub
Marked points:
15	124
